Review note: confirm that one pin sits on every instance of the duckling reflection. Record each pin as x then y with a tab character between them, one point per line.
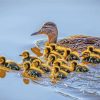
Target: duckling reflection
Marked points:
41	65
32	73
89	58
26	56
57	74
8	65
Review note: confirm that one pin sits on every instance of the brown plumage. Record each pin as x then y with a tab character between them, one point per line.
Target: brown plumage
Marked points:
77	42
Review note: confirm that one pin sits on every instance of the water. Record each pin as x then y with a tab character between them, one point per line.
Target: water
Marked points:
79	86
20	18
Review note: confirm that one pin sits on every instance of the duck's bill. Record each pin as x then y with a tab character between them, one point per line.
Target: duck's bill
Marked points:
36	33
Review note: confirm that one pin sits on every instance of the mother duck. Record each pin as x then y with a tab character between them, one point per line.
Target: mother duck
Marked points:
77	42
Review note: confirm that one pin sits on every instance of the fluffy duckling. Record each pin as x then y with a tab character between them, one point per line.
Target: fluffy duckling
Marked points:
79	67
72	55
32	73
26	56
93	50
62	65
8	65
62	51
57	74
47	51
41	65
52	57
53	46
89	58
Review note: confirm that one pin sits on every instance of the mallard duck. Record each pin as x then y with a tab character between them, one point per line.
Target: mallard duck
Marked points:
72	55
32	73
93	50
57	74
89	58
77	42
8	65
26	56
79	67
41	65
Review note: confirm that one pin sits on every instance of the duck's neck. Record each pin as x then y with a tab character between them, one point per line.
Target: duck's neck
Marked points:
52	38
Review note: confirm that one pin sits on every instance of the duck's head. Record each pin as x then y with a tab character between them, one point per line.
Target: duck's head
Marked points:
2	60
49	29
90	48
25	54
26	65
36	62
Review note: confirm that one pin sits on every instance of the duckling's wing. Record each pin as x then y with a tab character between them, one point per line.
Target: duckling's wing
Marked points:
12	65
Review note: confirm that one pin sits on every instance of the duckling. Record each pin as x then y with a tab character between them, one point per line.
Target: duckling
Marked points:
79	67
47	51
51	59
8	65
72	55
62	50
32	73
89	58
41	65
53	46
26	56
62	65
57	74
93	50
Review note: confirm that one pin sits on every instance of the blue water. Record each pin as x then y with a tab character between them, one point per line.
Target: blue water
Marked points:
20	18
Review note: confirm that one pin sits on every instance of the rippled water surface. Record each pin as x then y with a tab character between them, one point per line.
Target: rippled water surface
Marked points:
84	86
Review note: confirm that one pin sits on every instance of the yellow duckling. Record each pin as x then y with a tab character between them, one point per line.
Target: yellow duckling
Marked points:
62	65
26	56
93	50
52	57
47	51
79	67
53	46
62	51
8	65
41	65
72	55
57	74
32	73
89	58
